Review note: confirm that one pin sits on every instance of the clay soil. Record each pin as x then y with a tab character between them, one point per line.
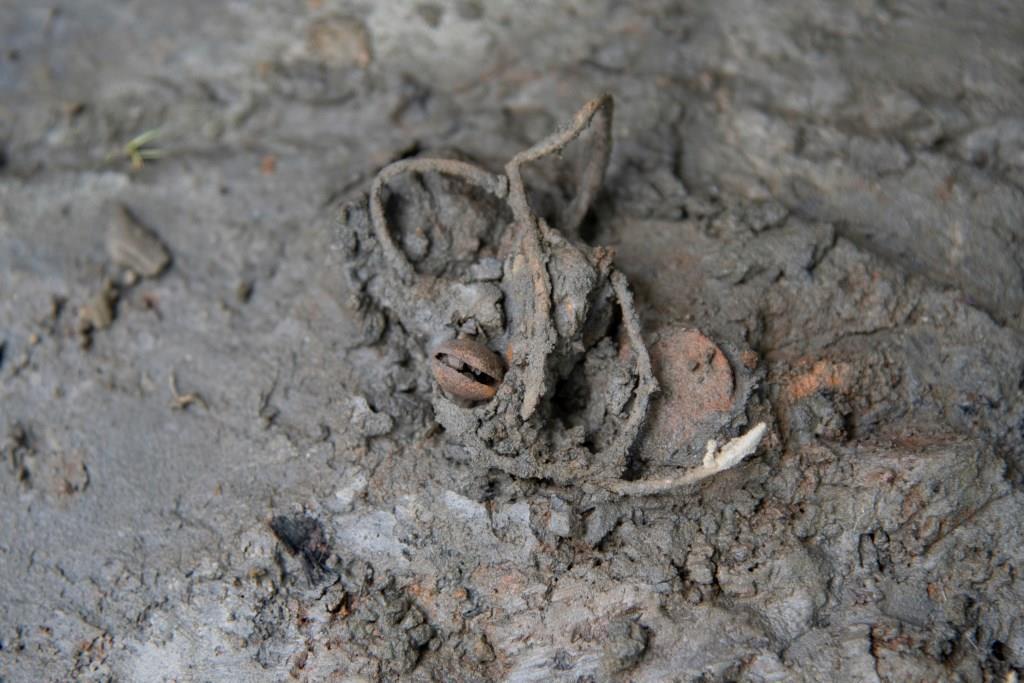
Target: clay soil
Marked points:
217	463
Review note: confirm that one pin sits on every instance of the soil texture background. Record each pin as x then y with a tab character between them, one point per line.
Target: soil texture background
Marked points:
220	466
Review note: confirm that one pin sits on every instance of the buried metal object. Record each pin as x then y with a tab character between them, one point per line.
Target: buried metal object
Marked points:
571	398
467	369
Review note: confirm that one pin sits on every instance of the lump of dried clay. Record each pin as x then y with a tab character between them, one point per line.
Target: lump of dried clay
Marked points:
132	245
577	382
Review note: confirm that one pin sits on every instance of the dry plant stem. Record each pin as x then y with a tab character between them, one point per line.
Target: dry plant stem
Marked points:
715	460
181	401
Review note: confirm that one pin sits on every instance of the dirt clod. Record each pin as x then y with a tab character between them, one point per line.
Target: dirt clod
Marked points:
98	312
133	246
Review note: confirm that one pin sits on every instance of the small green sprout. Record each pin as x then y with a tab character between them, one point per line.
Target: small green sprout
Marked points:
136	150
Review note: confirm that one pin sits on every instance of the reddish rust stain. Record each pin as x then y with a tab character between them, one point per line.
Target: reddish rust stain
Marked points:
498	580
268	164
822	375
696	385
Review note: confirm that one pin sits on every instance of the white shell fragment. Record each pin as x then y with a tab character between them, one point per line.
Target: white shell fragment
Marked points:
715	460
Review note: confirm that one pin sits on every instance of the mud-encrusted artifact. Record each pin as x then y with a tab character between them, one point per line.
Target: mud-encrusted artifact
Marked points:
467	285
467	370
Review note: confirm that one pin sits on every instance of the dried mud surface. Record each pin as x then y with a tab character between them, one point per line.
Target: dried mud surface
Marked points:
222	467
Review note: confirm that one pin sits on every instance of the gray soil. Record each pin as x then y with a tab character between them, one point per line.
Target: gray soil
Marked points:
219	449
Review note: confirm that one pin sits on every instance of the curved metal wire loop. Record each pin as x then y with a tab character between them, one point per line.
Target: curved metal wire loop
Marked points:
491	182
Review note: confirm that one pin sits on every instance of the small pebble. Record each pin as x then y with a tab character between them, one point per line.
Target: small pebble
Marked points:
134	246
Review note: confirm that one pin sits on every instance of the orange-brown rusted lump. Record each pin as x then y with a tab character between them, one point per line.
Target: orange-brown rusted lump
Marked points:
467	370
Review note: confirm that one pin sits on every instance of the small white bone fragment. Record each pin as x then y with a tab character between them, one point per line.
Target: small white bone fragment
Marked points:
715	460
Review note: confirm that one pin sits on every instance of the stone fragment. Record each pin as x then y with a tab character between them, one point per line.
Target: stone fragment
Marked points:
134	246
